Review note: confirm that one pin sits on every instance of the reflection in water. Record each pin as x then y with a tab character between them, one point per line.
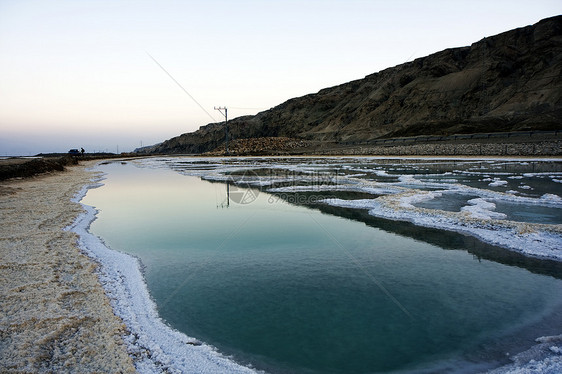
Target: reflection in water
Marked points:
226	202
444	239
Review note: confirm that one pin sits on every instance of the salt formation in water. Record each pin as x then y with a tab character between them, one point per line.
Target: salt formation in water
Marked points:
403	184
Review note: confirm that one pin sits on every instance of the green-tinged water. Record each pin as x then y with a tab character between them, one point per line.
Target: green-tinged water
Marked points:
292	289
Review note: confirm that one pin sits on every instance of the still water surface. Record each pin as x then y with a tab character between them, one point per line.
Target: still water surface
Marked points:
291	289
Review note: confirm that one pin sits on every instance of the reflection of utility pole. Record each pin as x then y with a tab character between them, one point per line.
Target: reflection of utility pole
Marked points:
226	203
225	114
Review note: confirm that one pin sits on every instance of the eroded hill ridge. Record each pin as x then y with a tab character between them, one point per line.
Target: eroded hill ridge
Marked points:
507	82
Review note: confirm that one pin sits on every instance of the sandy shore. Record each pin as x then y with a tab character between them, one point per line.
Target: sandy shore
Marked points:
54	314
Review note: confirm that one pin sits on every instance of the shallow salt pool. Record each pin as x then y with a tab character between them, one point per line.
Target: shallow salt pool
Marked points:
265	270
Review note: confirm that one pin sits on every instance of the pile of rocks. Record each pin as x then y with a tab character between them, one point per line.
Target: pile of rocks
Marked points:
261	146
544	148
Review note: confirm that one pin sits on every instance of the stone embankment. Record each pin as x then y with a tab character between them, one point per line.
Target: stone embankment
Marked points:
540	149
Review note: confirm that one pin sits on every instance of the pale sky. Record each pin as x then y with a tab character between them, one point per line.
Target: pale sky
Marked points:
78	73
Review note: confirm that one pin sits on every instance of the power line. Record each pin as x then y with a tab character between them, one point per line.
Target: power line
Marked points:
180	86
233	107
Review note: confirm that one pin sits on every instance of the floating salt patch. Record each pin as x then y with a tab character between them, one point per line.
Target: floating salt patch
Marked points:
410	200
482	209
497	183
382	173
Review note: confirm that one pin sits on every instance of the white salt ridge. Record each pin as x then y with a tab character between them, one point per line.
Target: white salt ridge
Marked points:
356	175
551	198
527	239
364	170
538	175
336	188
543	358
440	180
154	346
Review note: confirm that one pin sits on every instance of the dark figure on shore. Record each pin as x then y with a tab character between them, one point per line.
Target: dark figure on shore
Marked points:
82	151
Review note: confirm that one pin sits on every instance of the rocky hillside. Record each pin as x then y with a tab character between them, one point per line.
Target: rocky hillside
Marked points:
507	82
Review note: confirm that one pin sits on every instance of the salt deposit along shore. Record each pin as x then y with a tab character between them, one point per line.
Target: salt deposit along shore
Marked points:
54	313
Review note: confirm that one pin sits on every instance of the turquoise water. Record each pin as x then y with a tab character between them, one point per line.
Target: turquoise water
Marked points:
292	289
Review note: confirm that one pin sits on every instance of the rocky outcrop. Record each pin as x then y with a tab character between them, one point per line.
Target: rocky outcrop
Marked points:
507	82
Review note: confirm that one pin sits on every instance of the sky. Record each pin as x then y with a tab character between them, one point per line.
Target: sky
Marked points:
102	74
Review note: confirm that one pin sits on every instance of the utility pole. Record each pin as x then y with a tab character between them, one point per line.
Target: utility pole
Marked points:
225	114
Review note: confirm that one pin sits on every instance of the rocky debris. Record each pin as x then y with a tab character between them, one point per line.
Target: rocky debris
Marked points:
261	146
507	82
546	148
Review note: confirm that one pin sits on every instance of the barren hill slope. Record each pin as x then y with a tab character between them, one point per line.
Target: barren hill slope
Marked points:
507	82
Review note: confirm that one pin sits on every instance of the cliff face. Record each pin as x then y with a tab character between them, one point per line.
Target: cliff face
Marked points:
507	82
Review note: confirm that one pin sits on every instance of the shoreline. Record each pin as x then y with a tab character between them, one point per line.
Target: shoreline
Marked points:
56	317
133	331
